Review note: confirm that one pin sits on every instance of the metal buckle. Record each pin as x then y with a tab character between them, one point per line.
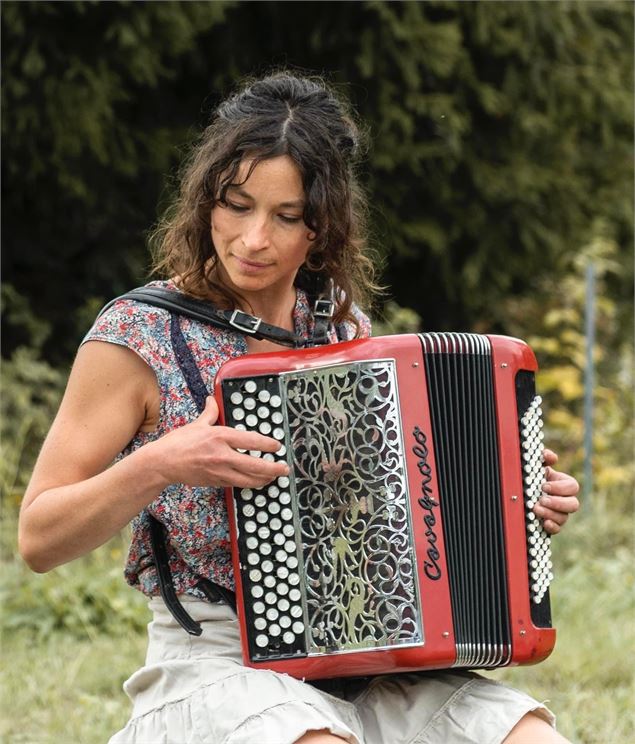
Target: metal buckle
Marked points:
324	308
245	322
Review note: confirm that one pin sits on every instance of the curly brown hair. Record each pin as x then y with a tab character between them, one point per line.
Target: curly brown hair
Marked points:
281	114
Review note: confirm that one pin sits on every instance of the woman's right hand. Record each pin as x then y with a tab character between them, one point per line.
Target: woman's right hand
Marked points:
204	454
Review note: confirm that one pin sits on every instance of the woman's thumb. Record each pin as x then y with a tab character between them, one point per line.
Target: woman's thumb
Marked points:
210	412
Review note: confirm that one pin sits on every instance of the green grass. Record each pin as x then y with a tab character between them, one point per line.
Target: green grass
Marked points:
589	678
61	689
71	637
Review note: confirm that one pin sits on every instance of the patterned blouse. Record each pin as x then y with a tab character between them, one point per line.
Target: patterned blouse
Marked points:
195	518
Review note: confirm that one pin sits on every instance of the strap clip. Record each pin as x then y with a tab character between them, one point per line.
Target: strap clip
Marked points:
245	322
324	308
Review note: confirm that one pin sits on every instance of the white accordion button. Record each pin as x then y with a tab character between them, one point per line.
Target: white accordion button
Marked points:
250	386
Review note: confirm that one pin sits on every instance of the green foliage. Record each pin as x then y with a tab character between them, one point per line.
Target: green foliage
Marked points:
31	391
85	599
395	320
93	115
500	132
552	323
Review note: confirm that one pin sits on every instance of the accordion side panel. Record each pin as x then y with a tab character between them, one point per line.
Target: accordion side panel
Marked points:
530	644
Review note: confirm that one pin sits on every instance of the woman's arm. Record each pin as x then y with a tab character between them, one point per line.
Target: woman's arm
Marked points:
75	501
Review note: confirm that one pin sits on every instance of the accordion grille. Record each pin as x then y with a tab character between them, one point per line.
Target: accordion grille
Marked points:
461	394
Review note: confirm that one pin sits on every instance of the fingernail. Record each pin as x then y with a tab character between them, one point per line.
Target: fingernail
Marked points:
545	500
546	488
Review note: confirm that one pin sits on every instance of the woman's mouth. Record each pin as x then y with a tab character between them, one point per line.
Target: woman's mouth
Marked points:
249	265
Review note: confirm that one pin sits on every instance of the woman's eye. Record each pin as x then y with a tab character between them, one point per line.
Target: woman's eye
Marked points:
237	207
290	218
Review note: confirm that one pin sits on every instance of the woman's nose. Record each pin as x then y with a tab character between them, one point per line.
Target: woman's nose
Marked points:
256	234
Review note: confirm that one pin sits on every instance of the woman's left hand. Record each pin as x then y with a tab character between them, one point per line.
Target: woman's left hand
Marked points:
559	496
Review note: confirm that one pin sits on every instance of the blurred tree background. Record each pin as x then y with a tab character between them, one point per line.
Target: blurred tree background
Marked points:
501	161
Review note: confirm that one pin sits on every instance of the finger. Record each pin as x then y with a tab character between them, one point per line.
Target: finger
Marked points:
250	440
553	514
560	484
549	457
564	504
209	414
253	465
238	479
551	527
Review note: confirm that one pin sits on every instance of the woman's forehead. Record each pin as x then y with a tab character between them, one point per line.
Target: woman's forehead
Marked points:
278	174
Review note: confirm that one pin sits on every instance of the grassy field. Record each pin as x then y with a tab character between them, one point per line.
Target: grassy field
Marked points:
71	637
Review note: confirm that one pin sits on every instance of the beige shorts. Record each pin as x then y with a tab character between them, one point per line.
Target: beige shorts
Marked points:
196	691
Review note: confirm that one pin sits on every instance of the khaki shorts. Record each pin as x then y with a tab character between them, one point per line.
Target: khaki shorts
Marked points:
195	690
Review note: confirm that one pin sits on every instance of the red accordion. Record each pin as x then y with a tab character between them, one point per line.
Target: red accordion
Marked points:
403	538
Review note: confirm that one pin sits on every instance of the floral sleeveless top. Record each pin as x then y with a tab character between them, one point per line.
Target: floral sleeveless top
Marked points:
195	518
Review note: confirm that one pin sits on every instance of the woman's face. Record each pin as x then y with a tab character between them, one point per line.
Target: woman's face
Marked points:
259	234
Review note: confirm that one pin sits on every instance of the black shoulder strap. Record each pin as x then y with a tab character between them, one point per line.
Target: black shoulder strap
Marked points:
229	320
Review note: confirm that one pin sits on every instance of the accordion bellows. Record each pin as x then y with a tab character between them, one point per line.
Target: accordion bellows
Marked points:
403	538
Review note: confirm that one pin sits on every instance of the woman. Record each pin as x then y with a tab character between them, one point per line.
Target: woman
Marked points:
268	202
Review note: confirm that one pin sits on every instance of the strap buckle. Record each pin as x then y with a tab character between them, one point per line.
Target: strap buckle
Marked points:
245	322
324	308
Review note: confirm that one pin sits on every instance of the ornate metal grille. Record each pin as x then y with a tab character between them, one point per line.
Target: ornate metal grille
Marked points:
351	496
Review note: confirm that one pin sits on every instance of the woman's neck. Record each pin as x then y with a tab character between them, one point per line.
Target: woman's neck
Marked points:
276	311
